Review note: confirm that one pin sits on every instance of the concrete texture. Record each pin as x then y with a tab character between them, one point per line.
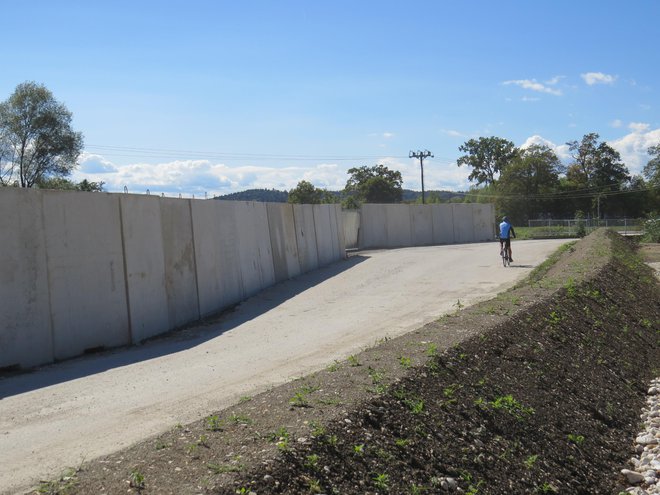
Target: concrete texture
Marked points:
254	247
483	224
443	223
54	417
282	229
351	226
324	233
399	225
179	256
145	265
421	217
308	256
85	271
26	334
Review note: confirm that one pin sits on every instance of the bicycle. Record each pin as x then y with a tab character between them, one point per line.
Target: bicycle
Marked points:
505	257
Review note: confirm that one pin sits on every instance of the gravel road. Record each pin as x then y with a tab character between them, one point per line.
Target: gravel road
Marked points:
60	415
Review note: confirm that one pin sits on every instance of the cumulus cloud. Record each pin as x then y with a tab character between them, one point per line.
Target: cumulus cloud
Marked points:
534	85
561	150
592	78
633	146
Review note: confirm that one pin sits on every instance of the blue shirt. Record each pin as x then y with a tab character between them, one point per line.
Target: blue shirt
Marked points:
506	229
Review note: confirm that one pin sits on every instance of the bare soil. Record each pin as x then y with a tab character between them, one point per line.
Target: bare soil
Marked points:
536	391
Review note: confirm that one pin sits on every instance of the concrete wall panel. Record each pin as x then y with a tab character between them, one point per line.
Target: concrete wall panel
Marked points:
399	223
463	229
422	225
25	331
216	255
443	223
179	255
338	230
483	220
306	237
351	223
373	227
254	247
323	229
145	265
86	271
282	229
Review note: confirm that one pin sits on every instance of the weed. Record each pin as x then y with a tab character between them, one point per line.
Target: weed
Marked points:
376	376
547	488
554	318
401	442
136	480
431	350
161	444
203	440
279	434
333	367
358	449
450	391
214	423
530	461
416	489
331	440
314	486
240	419
317	430
474	489
381	481
312	462
300	397
353	360
459	305
510	405
191	450
61	486
405	362
244	399
576	439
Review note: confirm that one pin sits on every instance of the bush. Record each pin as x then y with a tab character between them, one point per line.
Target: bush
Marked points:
652	229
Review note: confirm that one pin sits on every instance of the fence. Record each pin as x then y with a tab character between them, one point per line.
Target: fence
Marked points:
571	227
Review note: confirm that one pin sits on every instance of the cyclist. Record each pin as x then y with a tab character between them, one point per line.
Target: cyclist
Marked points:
506	232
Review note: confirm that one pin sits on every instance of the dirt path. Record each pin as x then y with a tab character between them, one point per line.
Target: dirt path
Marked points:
59	415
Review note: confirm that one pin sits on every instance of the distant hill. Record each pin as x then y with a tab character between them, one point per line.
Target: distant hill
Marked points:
275	196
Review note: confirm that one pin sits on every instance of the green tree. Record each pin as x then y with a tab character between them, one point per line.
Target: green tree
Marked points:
36	138
527	185
377	184
487	156
306	193
596	170
652	168
66	184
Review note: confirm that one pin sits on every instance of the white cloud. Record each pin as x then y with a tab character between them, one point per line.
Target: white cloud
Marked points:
453	133
561	150
592	78
388	135
633	147
616	123
534	85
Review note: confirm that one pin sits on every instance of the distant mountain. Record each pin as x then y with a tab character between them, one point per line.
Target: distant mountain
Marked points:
275	196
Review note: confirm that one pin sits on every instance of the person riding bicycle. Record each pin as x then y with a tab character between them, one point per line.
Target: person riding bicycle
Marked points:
506	232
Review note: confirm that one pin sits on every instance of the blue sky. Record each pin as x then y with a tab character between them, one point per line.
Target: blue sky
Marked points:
211	97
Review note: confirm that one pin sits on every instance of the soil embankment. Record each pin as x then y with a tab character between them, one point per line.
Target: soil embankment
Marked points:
536	391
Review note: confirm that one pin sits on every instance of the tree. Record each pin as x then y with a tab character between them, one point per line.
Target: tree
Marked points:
306	193
487	156
526	185
596	170
68	185
36	138
377	184
652	168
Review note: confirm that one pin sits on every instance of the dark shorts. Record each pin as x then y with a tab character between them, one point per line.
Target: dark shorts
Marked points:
507	242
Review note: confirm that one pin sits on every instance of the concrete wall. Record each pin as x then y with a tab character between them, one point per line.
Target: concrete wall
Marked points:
80	271
402	225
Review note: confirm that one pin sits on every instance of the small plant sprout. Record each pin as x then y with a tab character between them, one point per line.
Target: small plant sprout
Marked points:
137	480
314	486
358	449
240	419
353	360
405	362
530	461
381	481
203	440
312	461
511	406
214	423
576	439
431	350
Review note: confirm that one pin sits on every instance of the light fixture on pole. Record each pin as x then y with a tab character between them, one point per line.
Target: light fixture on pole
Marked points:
421	155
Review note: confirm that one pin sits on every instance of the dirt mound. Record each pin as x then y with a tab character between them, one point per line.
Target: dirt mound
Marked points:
536	391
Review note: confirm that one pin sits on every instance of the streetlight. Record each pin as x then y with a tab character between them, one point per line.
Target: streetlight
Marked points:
421	155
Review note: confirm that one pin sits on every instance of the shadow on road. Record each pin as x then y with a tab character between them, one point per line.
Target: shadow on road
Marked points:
175	341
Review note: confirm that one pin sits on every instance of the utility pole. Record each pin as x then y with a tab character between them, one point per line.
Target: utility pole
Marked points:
421	155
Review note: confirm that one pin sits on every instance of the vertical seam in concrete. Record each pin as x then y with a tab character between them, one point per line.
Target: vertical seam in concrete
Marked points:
194	257
125	267
295	237
50	302
316	239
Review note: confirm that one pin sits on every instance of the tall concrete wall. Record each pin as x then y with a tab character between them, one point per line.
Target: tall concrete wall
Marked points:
80	271
401	225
